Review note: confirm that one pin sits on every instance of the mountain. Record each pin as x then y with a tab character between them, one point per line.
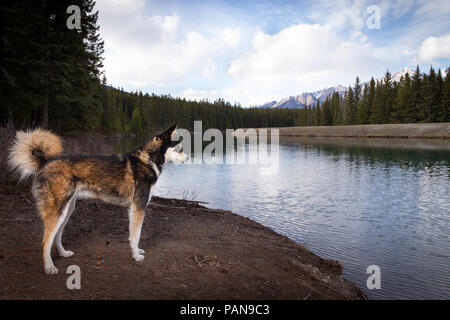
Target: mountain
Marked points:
268	104
305	99
310	98
294	102
396	76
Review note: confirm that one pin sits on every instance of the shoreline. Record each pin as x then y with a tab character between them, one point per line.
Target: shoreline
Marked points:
404	131
192	252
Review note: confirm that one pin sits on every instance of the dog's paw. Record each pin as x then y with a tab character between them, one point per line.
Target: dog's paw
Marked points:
141	251
138	257
51	270
66	253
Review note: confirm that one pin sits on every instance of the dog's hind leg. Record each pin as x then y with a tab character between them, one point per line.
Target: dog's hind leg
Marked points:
136	215
62	252
53	219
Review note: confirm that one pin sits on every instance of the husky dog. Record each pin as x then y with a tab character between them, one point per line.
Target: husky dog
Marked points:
124	179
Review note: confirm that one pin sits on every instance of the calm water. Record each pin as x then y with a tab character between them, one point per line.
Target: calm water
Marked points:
361	201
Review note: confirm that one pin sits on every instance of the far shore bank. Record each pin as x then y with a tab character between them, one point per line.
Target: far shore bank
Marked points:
403	130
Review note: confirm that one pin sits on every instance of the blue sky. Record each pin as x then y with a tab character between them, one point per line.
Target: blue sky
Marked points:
252	52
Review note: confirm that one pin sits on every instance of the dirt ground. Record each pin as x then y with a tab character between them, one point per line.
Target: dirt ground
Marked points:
191	253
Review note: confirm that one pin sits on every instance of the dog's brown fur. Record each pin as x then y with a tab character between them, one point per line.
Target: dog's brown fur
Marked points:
124	179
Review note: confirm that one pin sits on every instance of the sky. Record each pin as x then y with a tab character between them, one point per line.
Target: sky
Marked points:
251	52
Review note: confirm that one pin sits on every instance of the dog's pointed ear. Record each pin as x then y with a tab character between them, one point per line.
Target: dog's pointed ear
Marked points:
161	139
169	133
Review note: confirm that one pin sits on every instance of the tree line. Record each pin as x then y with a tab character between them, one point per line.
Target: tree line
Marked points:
141	113
51	77
419	98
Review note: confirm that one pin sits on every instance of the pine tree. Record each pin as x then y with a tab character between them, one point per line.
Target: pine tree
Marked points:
388	96
400	101
370	99
327	115
430	97
317	114
443	113
356	102
335	107
52	73
436	106
363	109
349	108
377	114
20	65
412	105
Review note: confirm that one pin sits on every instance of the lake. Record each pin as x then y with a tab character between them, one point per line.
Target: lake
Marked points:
364	202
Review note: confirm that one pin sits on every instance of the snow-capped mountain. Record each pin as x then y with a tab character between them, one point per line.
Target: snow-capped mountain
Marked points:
268	104
310	98
396	76
305	99
399	74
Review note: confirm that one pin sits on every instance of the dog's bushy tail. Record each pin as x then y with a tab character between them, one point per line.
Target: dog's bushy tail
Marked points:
32	148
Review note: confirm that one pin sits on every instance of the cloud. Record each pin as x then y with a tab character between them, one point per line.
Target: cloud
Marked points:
299	58
230	37
192	94
156	64
353	14
259	53
153	50
434	48
435	8
358	36
120	7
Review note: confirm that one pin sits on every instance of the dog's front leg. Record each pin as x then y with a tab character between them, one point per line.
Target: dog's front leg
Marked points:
136	215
